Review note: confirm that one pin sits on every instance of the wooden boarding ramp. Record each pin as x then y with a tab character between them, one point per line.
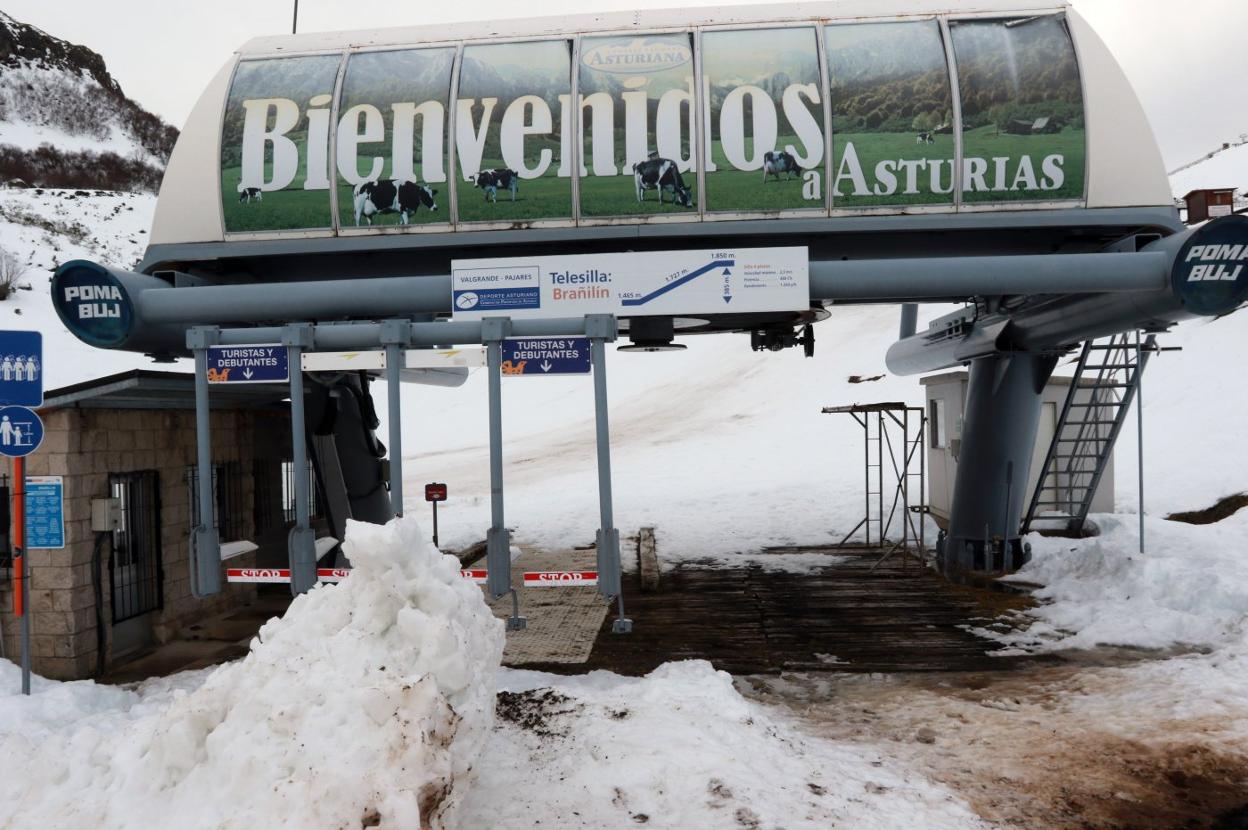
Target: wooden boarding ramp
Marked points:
845	616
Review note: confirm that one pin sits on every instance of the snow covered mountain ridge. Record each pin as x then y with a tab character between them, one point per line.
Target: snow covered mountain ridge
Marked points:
65	122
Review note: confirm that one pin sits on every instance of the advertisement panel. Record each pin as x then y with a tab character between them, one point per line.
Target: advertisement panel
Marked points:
275	144
1022	110
765	101
892	114
719	281
509	123
765	110
637	152
392	138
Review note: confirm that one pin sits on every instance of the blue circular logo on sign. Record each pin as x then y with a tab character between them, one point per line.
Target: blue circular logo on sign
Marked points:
21	431
92	303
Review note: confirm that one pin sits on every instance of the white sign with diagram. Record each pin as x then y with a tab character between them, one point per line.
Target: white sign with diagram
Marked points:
679	283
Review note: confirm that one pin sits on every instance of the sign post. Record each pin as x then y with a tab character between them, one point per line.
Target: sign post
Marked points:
21	433
205	545
494	331
301	543
396	335
434	493
602	328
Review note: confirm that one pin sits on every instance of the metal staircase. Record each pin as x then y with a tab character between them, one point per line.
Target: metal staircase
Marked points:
1101	392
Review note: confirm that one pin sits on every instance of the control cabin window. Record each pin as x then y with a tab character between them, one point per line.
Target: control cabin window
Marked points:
936	423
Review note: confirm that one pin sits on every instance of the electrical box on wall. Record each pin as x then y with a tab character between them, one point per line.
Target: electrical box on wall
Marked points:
105	515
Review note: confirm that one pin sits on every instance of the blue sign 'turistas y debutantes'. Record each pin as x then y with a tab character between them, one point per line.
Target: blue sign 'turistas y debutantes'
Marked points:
263	363
527	356
21	368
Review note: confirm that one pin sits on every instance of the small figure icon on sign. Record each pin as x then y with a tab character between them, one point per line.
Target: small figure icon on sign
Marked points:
12	434
19	367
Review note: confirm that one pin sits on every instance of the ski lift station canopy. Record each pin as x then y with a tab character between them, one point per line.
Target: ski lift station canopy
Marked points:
923	150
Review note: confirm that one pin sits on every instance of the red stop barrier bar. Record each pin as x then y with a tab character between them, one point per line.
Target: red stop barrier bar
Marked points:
559	579
277	575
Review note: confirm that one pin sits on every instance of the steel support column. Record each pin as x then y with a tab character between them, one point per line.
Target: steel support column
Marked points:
998	435
602	329
498	538
395	335
205	543
301	544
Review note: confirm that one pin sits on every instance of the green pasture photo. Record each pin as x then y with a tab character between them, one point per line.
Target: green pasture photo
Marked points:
987	143
546	197
617	196
292	208
872	148
421	216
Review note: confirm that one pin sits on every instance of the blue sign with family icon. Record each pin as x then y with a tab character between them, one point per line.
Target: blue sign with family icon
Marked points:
21	368
21	431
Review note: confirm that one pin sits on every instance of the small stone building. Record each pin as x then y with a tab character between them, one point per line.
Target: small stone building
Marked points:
111	595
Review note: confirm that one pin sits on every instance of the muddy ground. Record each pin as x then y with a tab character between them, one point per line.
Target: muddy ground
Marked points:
1016	749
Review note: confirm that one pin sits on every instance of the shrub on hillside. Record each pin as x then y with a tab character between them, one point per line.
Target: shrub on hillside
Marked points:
46	166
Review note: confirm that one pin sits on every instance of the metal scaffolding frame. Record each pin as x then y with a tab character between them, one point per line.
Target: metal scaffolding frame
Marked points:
891	436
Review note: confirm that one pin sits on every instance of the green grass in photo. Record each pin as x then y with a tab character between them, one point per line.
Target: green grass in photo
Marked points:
985	142
617	196
872	148
547	197
292	208
729	189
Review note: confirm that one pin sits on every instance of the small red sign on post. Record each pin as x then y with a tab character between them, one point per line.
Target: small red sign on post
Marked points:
435	492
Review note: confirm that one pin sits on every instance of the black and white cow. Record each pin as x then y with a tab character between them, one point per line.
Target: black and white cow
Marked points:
924	138
775	163
500	178
401	196
664	176
250	194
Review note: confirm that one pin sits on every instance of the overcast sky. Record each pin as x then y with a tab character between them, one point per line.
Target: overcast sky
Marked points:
1186	58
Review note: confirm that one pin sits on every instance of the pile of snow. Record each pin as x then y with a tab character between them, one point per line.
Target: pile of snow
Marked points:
680	748
1189	587
367	703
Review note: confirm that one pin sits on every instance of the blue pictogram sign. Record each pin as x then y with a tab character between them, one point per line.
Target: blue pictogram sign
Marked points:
45	512
21	368
528	356
21	431
264	363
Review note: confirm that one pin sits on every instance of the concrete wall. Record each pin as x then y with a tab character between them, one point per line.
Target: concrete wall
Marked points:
85	446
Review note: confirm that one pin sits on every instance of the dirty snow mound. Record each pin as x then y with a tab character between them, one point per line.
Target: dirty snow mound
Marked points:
367	703
680	748
1189	587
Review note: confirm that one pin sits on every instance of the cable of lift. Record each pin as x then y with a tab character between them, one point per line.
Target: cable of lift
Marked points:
1226	145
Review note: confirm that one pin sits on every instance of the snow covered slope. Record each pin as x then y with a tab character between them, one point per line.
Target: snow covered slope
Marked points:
64	120
44	228
725	450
